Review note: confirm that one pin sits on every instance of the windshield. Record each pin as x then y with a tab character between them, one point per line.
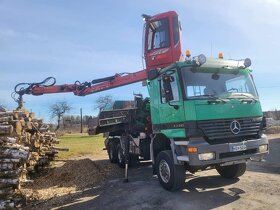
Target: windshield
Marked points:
206	83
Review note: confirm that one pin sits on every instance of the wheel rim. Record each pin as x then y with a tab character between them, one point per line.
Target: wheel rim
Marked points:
164	171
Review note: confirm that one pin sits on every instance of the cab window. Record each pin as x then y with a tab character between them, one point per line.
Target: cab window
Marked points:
176	29
158	35
195	90
237	85
174	87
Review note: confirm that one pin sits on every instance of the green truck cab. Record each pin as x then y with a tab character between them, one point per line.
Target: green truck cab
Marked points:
202	113
205	114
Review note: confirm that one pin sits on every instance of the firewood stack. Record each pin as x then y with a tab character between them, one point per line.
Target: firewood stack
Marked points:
25	145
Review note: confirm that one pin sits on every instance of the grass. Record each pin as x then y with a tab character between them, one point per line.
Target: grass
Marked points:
80	144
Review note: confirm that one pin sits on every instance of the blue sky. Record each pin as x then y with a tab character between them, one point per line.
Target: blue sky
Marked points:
84	40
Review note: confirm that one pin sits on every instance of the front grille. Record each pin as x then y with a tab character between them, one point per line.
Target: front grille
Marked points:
231	140
220	129
239	153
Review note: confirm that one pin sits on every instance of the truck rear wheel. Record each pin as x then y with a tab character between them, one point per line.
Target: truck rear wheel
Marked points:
171	177
120	155
231	171
112	152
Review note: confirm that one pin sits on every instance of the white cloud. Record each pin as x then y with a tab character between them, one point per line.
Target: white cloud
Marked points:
272	2
4	33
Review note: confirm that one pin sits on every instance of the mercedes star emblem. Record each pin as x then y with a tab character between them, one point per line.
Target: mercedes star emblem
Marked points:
235	127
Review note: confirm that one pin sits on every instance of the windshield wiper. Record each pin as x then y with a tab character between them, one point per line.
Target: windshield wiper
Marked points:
252	98
213	97
249	97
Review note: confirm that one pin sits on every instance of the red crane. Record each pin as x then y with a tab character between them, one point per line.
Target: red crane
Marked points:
162	47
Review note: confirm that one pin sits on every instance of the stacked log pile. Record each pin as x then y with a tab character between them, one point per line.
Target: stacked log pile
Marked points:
25	145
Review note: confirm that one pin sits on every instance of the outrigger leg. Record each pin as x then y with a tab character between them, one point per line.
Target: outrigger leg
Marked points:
126	156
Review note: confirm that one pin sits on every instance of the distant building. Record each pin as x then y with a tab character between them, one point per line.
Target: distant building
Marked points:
275	115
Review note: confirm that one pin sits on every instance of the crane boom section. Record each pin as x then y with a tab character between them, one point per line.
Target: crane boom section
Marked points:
89	88
118	81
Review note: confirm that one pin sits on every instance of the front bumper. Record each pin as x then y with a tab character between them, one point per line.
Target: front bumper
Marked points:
223	153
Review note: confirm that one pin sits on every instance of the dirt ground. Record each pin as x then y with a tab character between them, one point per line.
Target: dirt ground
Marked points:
91	182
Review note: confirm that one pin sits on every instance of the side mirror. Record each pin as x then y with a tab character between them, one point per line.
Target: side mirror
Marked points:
167	79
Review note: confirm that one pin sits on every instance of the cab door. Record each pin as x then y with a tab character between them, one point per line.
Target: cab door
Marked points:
159	51
163	44
171	114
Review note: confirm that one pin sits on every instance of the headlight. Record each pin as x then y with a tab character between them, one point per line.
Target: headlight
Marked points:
247	62
201	59
206	156
263	148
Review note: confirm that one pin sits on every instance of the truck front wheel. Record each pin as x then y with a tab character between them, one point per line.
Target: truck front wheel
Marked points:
231	171
171	177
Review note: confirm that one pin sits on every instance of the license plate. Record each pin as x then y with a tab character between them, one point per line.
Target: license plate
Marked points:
237	147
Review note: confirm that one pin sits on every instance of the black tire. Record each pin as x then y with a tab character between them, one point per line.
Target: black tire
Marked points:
112	152
172	177
232	171
120	156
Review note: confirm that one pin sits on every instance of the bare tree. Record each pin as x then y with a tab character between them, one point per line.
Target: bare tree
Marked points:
103	101
277	114
58	109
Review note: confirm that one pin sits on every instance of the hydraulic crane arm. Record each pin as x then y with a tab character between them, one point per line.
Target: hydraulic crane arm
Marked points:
48	86
118	81
86	88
